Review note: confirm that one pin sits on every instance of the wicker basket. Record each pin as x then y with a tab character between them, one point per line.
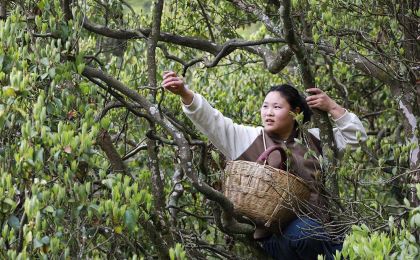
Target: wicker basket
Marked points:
263	193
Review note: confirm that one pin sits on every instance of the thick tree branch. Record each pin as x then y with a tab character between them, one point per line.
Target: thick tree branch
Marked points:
141	33
3	10
176	192
259	13
274	62
65	6
157	181
105	142
151	47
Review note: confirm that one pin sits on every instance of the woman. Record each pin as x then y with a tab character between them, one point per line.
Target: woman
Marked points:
304	237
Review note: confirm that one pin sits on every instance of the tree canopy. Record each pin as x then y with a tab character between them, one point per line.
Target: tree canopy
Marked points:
97	160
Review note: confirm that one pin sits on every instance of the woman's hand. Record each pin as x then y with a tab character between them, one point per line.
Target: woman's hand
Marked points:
323	102
176	85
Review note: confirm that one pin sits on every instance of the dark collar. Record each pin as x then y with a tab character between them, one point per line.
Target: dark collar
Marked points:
293	135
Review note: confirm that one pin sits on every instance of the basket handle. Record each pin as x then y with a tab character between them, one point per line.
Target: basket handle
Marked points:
264	156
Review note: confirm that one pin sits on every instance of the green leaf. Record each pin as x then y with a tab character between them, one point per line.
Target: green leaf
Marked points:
45	240
9	92
37	243
14	222
49	209
45	61
80	68
41	5
129	220
2	110
10	202
51	72
172	254
84	88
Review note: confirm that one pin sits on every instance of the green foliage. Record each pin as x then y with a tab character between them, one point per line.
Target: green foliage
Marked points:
60	198
177	253
399	243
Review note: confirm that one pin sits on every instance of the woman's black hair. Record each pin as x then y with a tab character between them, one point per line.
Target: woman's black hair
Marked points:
294	98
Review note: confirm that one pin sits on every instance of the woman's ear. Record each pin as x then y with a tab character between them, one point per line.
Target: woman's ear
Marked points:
297	110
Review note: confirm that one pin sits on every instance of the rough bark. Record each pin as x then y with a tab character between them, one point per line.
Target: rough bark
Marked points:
3	12
409	103
105	142
275	61
151	46
157	181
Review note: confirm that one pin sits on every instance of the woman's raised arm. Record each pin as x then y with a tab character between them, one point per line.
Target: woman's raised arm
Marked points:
230	138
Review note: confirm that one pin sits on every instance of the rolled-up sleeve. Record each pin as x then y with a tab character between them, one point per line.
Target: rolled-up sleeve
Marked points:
348	131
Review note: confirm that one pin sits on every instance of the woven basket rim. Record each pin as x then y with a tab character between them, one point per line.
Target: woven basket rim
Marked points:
271	168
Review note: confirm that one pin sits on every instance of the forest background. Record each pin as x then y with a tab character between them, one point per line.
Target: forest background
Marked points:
96	160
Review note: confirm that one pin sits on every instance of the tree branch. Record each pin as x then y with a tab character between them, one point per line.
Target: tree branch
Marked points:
274	62
157	181
207	20
259	13
176	192
3	10
151	47
104	141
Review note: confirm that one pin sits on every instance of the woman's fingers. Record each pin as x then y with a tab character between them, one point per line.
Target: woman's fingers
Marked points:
313	97
167	74
173	83
313	104
314	91
171	79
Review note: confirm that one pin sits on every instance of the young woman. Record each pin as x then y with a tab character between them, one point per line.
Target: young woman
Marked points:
304	237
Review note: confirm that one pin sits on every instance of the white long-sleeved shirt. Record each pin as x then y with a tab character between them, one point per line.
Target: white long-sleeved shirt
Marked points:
233	139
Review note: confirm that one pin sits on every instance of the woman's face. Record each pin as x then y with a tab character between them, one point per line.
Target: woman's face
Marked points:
276	116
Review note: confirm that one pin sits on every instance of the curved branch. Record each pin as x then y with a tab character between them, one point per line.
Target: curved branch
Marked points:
233	44
259	13
142	33
105	110
105	142
274	62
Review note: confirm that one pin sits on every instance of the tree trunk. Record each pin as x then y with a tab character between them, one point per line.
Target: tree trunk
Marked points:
3	13
410	92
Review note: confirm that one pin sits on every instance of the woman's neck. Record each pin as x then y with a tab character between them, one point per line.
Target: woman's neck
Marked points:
284	136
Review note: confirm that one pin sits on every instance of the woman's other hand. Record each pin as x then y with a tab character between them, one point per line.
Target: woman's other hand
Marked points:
319	100
176	85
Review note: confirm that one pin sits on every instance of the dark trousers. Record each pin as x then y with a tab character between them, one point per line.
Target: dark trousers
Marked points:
303	238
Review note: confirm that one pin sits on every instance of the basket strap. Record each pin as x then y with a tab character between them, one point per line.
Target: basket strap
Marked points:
262	159
265	144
